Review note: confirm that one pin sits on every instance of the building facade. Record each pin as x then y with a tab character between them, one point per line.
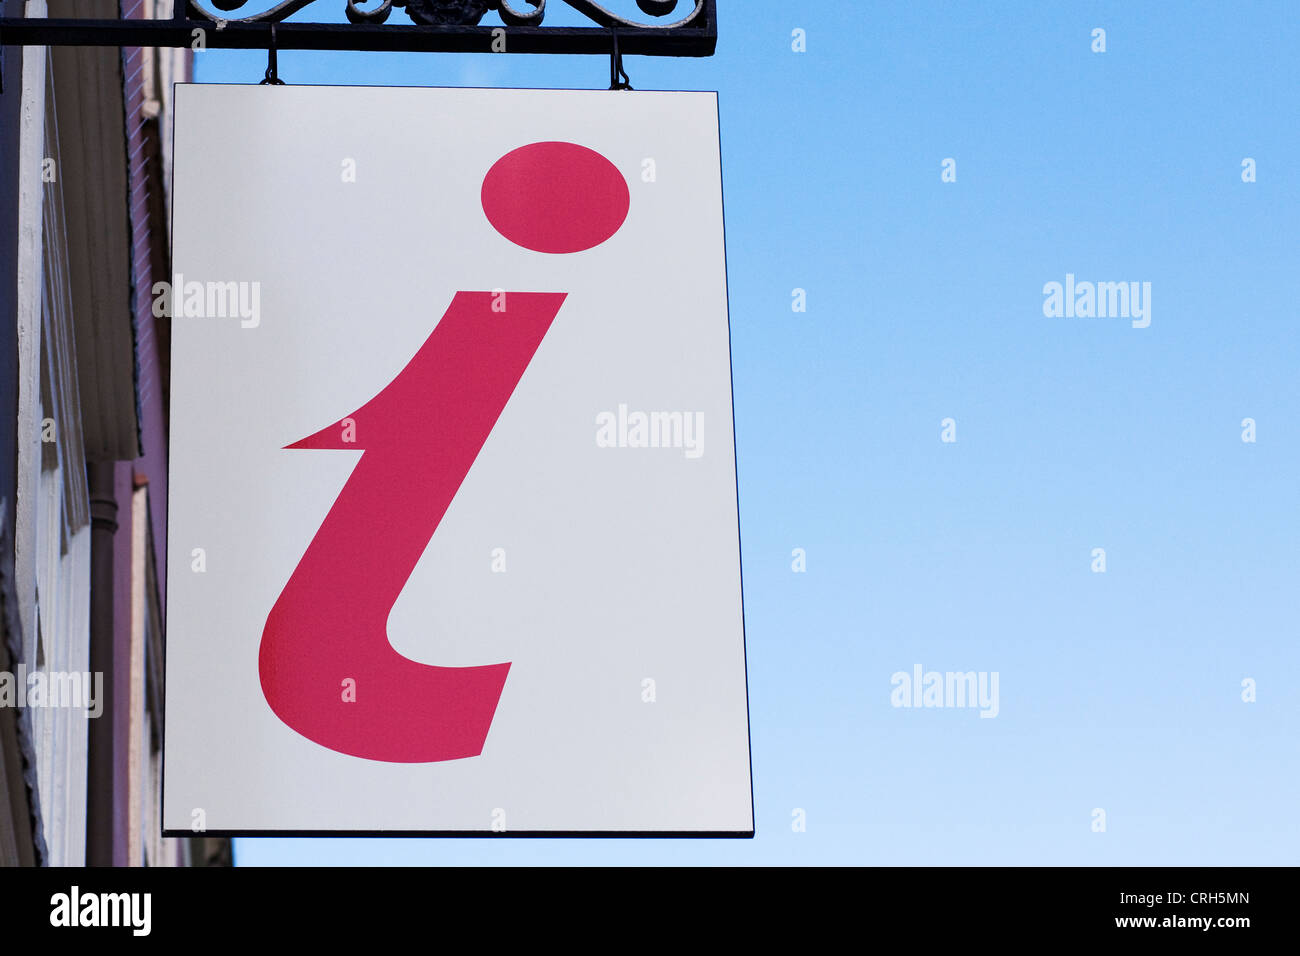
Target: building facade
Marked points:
84	219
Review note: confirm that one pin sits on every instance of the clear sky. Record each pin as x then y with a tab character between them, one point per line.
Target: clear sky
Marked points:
1120	690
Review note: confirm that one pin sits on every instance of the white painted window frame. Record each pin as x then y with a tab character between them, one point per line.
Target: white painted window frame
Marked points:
52	526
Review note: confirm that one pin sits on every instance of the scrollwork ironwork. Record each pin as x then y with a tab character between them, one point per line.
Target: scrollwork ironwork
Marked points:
461	12
662	28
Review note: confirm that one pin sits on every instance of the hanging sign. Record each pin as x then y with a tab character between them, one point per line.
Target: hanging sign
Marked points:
453	541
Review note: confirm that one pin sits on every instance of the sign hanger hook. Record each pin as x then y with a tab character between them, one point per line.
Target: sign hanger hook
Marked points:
618	78
272	67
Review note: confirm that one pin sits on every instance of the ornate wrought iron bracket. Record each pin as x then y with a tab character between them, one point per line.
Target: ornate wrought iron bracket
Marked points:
446	26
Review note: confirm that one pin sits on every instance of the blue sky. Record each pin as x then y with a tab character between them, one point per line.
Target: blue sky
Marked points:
1118	690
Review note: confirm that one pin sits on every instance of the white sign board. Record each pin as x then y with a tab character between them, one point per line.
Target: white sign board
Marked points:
453	540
